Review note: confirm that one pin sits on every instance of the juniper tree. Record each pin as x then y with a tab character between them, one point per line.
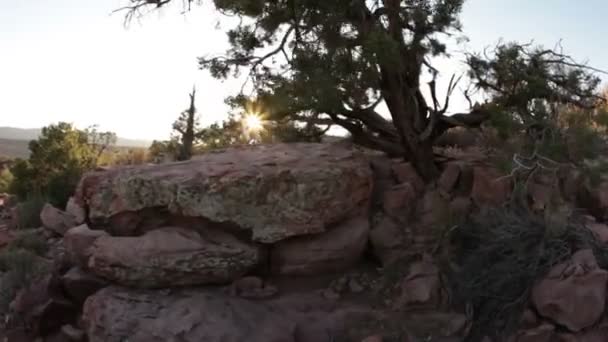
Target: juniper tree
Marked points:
333	62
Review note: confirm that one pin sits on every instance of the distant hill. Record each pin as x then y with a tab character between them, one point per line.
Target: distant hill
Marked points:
12	148
13	133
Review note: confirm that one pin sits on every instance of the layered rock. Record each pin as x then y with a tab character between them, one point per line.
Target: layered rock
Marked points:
115	314
276	191
172	257
333	251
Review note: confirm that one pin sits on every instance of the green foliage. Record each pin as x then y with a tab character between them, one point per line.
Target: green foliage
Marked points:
6	179
57	160
30	240
500	254
21	267
29	212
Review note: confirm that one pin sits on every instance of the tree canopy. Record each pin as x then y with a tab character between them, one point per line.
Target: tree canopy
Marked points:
333	63
57	160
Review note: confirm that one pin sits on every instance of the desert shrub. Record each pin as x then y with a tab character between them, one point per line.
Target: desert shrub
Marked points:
6	178
20	268
57	160
31	240
29	212
500	253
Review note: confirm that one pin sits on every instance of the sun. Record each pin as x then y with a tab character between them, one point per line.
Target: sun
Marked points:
253	122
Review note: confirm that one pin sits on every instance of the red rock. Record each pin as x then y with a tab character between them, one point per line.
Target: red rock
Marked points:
422	284
73	334
172	256
118	314
490	188
541	195
79	285
404	172
460	208
433	210
76	210
543	333
449	178
252	288
600	231
573	294
333	251
400	201
56	220
78	241
388	240
274	191
42	309
529	319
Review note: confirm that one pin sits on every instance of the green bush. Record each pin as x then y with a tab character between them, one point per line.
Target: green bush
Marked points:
6	178
57	161
30	240
29	212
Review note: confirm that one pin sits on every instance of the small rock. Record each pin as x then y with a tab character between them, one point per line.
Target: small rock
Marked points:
72	333
373	338
76	210
335	250
449	178
78	242
573	293
400	201
543	333
331	294
252	288
405	173
355	286
55	220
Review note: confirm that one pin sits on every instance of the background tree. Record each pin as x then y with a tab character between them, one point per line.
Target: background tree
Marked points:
58	158
317	60
100	141
187	128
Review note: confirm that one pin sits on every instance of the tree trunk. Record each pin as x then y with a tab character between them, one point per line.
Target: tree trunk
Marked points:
188	135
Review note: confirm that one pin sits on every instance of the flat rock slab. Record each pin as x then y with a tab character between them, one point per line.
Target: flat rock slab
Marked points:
274	191
117	314
170	257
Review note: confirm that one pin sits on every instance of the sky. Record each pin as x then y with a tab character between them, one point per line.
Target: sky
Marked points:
74	61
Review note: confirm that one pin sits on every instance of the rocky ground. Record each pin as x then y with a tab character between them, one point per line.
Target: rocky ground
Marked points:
294	243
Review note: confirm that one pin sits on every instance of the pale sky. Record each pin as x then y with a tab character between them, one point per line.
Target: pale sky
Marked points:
70	60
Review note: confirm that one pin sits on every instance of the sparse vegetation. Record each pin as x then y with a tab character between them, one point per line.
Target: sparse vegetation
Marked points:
28	212
20	268
57	161
6	178
501	253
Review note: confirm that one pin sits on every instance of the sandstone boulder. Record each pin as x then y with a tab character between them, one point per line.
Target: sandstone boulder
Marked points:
333	251
404	172
42	307
490	188
388	240
275	191
79	285
76	210
56	220
77	242
399	202
172	257
421	286
116	315
573	294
